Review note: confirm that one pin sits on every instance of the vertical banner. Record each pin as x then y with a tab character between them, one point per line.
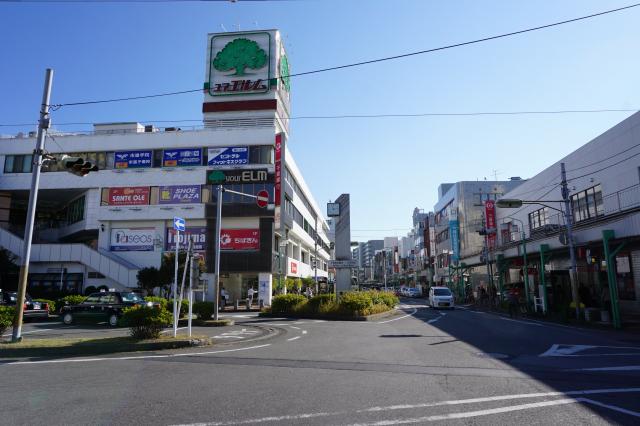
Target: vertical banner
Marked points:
278	180
490	218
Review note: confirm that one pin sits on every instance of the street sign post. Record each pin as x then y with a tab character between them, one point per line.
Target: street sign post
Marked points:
262	198
342	264
179	226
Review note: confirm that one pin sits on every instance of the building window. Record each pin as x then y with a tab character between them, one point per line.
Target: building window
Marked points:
18	163
587	204
539	218
261	154
75	211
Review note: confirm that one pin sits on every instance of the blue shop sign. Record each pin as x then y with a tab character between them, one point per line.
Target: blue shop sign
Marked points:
228	156
132	159
183	157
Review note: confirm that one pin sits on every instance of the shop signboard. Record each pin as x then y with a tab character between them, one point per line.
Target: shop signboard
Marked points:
182	157
490	222
198	235
128	196
230	177
239	63
132	239
133	159
228	156
278	182
240	239
454	234
179	194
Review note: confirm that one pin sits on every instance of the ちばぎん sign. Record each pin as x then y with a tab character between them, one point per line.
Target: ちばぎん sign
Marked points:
240	239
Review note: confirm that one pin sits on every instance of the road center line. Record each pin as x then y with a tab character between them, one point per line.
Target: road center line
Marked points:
130	358
293	338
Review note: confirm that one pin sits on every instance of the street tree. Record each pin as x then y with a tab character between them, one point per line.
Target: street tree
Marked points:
149	278
240	54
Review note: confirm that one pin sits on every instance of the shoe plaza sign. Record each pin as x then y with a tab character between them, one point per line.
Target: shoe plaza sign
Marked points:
239	63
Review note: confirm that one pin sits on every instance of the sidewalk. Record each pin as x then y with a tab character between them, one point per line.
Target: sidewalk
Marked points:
627	327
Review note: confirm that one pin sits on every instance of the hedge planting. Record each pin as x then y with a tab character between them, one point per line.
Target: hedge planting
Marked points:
51	303
6	318
287	303
72	299
204	310
156	299
146	322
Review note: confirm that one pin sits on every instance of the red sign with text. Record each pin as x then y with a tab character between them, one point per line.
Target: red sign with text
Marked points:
294	268
129	196
240	239
278	177
490	218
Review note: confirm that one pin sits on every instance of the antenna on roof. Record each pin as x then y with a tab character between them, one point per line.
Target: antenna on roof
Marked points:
223	28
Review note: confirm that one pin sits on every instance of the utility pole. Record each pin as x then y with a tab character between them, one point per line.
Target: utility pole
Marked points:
568	213
43	125
216	284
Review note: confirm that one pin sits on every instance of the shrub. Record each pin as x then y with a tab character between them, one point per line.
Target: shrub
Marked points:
204	310
356	302
385	298
72	299
376	309
51	303
146	322
155	299
316	302
6	318
184	306
90	289
287	303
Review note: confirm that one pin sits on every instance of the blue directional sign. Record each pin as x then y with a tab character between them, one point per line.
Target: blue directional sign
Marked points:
178	224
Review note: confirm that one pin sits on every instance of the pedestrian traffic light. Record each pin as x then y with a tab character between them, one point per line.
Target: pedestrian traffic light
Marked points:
77	165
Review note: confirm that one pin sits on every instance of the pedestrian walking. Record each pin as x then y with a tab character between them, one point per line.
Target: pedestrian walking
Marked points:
514	302
309	292
250	294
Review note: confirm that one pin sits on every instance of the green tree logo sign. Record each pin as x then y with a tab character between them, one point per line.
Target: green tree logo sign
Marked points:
239	55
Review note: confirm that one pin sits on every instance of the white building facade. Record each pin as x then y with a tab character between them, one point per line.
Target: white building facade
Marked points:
100	230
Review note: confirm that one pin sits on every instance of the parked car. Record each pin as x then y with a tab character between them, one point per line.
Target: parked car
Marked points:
441	297
32	310
100	307
414	292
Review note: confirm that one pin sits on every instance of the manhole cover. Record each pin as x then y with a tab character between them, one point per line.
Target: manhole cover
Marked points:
494	355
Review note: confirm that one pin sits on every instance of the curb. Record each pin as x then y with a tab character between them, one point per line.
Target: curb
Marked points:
373	317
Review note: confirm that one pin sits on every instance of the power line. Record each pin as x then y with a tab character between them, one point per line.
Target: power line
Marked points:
356	116
371	61
604	159
604	168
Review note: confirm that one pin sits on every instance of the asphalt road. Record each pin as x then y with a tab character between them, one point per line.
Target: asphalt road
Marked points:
419	366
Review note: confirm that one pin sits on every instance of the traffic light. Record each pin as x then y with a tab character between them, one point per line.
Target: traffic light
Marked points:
77	165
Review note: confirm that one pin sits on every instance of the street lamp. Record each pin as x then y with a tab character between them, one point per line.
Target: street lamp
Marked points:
524	255
511	203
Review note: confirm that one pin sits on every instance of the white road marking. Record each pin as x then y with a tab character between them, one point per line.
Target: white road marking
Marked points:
469	414
32	331
521	322
621	368
560	350
304	331
293	326
171	329
320	321
399	318
293	338
611	407
431	321
130	358
431	404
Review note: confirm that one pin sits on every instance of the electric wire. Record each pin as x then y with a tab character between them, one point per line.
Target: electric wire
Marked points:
356	116
371	61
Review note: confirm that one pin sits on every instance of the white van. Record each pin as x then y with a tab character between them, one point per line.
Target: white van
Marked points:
441	297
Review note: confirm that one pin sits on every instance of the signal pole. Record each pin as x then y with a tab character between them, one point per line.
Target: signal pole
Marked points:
568	214
43	125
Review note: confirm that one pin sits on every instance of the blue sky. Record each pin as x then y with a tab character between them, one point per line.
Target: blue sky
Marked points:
388	165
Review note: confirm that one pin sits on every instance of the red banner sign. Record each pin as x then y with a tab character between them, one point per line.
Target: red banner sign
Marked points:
240	239
278	177
129	196
294	267
490	218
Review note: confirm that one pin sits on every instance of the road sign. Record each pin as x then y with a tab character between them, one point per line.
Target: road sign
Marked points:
178	224
342	264
262	198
